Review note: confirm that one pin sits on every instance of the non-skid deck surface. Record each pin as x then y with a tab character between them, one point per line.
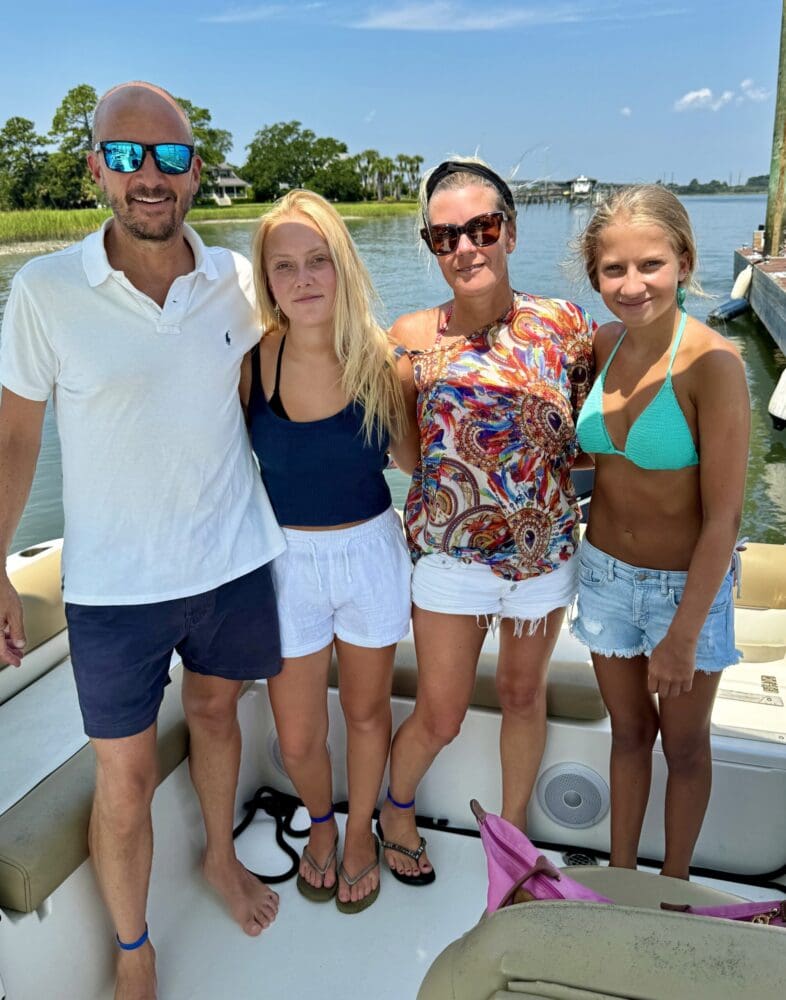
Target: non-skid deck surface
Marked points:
312	950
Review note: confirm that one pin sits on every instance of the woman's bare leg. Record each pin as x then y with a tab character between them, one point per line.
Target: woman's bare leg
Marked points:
448	647
521	688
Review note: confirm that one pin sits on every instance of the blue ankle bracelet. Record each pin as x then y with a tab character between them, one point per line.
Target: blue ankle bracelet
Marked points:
133	945
400	805
322	819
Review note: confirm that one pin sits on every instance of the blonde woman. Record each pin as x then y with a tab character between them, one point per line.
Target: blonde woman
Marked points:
325	405
491	515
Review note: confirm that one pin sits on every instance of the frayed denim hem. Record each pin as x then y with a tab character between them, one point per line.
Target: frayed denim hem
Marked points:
577	632
716	670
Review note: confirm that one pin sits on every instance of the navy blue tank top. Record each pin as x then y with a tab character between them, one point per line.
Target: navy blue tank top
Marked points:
317	473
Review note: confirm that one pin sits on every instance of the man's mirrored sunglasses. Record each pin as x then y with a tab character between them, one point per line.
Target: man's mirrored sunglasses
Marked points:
481	231
128	157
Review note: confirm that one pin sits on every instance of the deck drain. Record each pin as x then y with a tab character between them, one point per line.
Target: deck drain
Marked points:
578	857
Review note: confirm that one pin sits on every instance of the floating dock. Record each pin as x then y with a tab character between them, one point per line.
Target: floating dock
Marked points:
767	292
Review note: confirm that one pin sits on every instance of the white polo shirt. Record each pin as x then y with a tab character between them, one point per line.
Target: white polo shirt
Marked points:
161	495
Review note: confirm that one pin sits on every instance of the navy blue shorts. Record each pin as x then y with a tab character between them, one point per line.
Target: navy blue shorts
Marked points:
121	653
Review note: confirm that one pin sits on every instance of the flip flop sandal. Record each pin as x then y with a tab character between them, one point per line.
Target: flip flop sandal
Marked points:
318	893
356	906
424	878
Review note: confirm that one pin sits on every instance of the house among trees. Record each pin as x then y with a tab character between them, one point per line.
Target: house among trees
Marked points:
223	184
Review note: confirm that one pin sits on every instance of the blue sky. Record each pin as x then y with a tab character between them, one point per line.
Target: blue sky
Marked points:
618	89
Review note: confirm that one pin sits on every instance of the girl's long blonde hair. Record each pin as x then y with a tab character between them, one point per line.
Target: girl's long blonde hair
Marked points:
368	366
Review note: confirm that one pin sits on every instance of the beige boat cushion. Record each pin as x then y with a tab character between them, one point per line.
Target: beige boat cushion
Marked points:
760	616
577	951
38	585
634	888
572	691
43	838
763	577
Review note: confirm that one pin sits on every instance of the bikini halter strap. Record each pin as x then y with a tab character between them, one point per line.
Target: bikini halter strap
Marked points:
677	339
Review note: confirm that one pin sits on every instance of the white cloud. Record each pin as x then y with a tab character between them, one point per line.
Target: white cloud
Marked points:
446	15
752	92
703	100
246	15
370	116
626	112
454	15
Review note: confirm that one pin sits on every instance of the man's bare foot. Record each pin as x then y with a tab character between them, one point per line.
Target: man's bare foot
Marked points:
136	974
321	843
399	827
360	851
251	903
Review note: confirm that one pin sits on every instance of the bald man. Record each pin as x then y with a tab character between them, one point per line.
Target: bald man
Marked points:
138	333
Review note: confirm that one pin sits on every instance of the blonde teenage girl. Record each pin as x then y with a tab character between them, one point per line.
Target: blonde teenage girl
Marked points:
325	405
667	421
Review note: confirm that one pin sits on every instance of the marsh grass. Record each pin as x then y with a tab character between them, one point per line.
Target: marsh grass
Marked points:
40	225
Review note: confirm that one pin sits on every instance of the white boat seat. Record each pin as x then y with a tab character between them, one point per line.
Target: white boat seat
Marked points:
43	837
589	951
47	788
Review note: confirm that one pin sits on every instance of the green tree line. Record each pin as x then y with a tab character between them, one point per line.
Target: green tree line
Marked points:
48	170
759	183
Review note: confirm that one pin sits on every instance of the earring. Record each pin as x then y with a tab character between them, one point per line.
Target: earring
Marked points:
277	311
681	296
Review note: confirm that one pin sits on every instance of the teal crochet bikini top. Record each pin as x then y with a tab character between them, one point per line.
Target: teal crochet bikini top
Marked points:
659	437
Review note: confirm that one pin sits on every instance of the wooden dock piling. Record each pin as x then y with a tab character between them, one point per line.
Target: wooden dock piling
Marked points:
776	204
767	294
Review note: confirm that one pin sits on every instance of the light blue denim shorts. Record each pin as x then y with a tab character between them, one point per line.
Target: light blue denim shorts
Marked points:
625	610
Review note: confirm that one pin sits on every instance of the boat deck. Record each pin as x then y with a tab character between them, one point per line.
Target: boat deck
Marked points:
312	950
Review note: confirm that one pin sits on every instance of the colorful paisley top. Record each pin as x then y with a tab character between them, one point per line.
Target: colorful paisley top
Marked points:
497	413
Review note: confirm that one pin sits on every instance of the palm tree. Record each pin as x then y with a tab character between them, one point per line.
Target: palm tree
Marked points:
367	168
384	172
413	174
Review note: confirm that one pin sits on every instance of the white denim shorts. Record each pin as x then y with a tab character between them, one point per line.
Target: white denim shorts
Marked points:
353	583
445	584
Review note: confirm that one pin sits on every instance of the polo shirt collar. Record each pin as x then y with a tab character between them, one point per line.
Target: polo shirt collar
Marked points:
98	269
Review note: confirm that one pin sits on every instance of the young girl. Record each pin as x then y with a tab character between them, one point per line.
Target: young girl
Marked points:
668	422
325	404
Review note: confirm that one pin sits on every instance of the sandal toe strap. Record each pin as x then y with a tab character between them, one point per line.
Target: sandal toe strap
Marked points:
390	845
354	879
320	869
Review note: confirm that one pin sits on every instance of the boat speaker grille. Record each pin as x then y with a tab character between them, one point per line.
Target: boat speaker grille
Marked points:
573	795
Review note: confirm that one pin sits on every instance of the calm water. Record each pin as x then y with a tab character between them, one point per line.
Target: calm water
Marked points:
405	281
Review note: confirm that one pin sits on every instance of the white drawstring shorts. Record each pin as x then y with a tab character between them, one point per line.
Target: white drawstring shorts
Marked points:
353	583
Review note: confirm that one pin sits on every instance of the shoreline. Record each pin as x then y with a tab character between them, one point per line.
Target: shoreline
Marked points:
40	231
45	230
